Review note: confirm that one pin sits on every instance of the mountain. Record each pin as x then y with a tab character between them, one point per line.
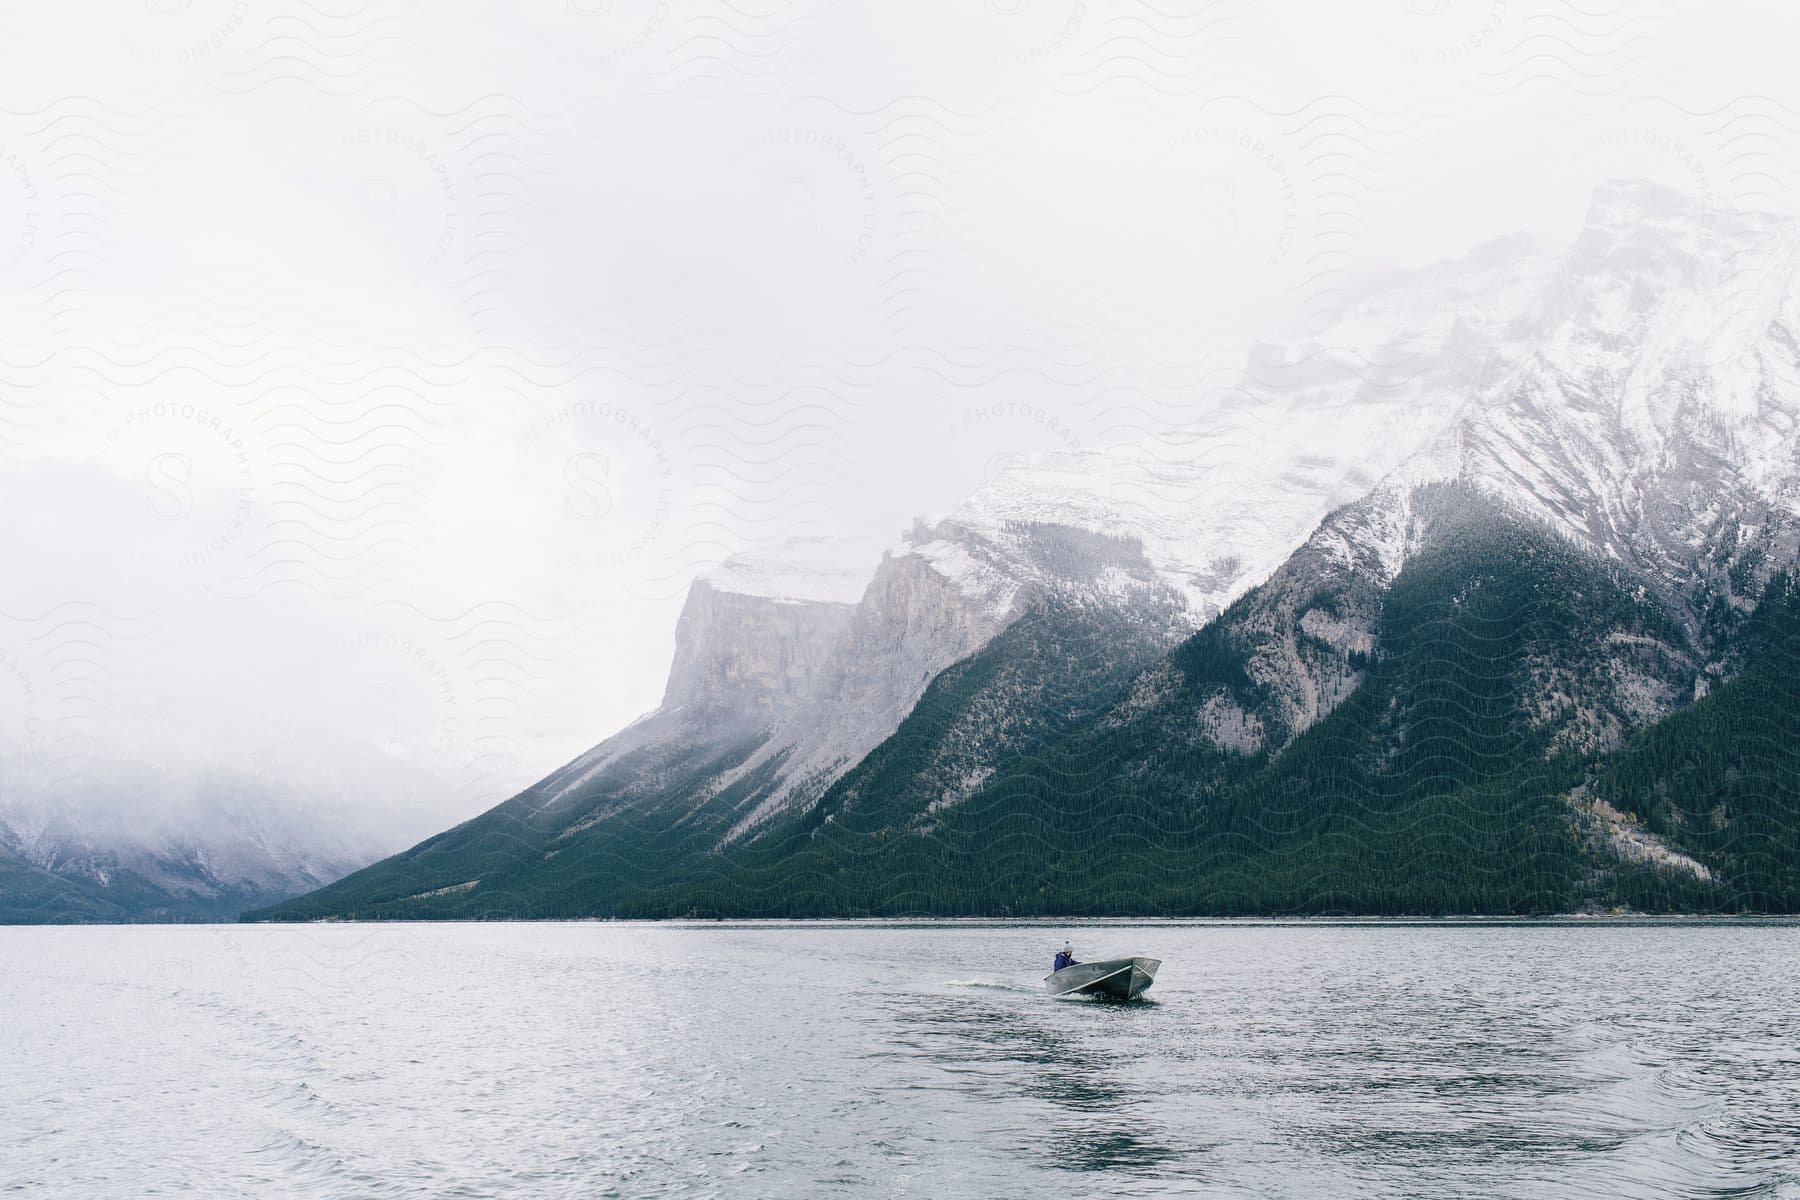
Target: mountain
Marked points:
1327	745
1405	626
30	894
770	699
90	832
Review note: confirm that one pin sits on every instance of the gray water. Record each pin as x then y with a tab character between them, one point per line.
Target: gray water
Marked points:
898	1060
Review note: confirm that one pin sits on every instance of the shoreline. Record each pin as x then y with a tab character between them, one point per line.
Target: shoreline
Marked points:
1560	920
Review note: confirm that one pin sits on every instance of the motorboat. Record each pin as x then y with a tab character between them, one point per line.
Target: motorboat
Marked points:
1119	978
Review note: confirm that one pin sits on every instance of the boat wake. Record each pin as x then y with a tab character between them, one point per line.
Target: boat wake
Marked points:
989	985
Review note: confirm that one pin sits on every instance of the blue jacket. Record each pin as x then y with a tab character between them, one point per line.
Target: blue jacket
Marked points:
1063	959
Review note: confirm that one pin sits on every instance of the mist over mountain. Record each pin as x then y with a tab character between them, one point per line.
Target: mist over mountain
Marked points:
159	817
1389	629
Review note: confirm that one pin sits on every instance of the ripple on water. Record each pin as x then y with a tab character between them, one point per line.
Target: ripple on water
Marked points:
926	1060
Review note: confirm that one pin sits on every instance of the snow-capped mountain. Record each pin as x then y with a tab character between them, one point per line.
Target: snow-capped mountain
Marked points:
1634	399
1658	414
1641	399
1213	510
1498	370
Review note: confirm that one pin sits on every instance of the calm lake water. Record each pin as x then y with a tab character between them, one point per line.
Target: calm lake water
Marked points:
898	1060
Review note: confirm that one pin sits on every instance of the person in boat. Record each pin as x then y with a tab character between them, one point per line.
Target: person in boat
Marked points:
1064	957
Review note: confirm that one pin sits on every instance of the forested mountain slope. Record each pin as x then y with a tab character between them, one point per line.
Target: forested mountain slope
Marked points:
1446	721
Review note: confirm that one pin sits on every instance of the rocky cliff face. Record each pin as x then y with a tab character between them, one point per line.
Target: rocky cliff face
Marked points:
911	624
758	646
948	594
752	659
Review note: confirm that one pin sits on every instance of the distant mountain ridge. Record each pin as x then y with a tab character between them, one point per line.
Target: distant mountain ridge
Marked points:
149	810
1100	648
144	832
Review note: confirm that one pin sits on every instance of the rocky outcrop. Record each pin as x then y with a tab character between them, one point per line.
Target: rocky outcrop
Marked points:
751	658
944	596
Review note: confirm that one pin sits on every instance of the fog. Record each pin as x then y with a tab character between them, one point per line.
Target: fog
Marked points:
377	377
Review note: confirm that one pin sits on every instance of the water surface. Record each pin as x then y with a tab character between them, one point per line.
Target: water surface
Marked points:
899	1060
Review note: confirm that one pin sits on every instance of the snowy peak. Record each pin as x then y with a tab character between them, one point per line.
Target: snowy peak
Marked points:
1659	406
1607	389
1658	282
1305	429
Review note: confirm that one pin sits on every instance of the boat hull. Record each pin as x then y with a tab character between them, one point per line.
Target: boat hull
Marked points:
1116	978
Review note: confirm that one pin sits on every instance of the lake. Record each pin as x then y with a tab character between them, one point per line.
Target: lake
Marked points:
802	1060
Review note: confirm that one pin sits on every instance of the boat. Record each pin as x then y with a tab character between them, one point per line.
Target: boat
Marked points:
1119	978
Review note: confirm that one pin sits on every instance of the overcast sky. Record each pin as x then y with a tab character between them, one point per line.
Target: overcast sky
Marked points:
379	375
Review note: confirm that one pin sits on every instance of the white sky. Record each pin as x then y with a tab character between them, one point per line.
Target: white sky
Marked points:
379	375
